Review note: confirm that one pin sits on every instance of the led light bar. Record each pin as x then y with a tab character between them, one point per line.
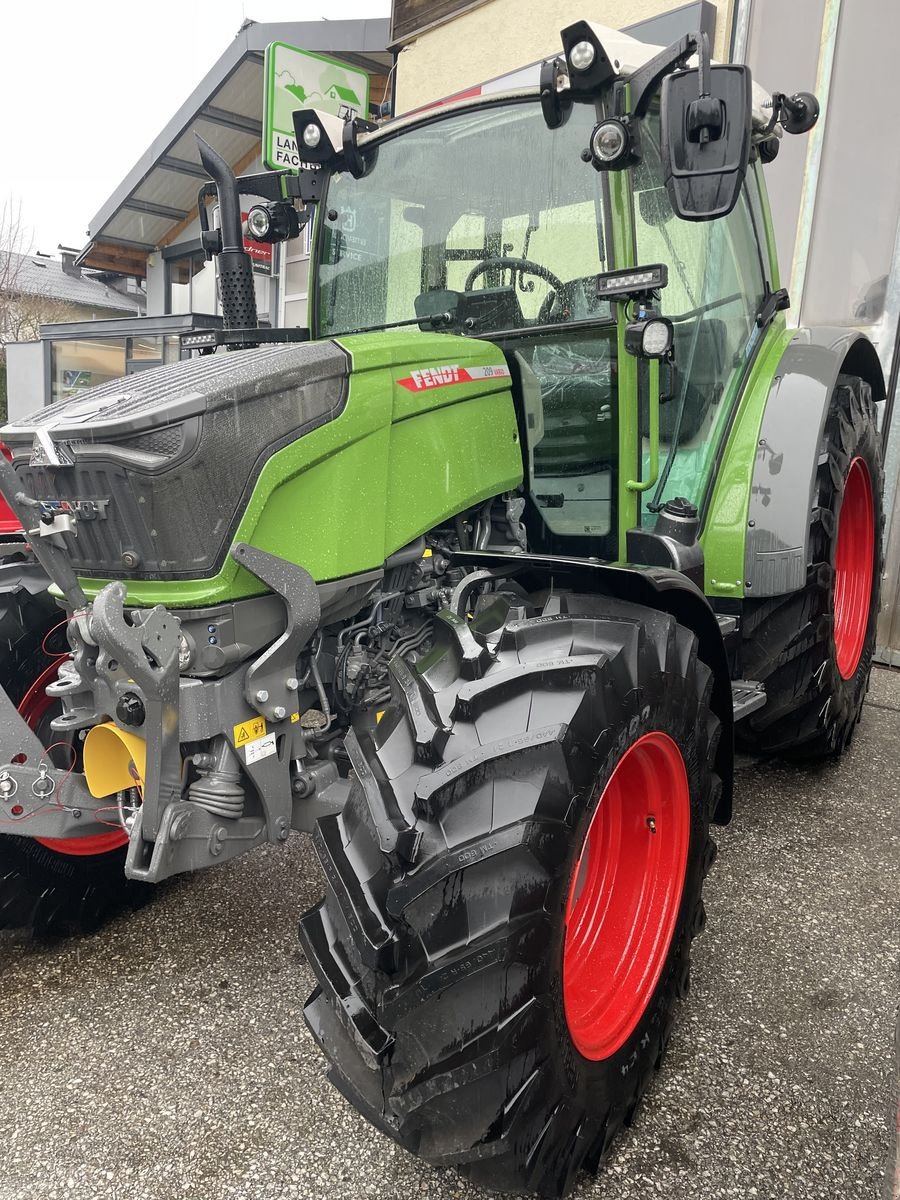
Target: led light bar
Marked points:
194	341
634	281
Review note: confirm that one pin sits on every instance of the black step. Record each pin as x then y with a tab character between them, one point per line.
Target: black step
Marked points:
747	695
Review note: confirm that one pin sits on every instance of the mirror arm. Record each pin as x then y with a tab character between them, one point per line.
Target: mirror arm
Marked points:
645	80
706	116
703	56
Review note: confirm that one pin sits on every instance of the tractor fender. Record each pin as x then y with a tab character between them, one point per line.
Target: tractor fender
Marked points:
653	587
776	551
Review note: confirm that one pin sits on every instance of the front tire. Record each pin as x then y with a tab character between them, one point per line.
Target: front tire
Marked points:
461	929
813	648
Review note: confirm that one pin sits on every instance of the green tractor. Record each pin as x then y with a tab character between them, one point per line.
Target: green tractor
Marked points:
477	581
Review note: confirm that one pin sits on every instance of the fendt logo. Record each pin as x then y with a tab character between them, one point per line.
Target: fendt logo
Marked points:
436	377
87	510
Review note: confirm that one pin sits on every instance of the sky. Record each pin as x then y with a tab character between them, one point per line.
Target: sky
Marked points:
86	85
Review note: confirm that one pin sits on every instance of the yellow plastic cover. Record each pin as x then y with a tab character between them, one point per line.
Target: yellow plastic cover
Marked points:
113	760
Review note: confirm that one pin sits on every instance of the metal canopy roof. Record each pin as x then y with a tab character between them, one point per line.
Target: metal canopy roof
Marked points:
158	197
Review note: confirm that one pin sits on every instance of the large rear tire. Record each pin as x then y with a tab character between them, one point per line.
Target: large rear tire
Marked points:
57	887
513	886
813	648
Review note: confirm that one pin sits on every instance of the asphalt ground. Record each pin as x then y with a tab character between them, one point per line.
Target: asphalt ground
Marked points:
166	1057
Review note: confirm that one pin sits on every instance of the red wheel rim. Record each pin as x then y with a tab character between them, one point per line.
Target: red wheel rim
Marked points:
854	565
625	895
34	707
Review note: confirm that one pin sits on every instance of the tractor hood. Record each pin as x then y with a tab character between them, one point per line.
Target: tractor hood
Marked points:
158	466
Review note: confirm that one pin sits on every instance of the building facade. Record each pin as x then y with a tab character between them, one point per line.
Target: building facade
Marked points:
447	47
37	289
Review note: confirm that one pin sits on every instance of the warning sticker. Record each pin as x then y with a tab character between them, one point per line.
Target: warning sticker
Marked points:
261	748
249	731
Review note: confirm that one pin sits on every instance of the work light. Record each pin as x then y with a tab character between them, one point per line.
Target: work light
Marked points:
589	66
273	222
259	222
319	136
650	337
633	281
610	143
582	55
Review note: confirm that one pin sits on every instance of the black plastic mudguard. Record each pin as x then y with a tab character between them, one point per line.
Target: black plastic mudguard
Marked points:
654	587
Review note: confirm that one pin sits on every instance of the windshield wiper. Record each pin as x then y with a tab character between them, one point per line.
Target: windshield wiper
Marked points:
436	320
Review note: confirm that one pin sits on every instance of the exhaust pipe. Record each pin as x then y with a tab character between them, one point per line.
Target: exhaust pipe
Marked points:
235	269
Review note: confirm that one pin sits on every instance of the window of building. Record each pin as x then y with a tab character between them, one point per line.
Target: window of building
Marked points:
295	280
83	364
191	285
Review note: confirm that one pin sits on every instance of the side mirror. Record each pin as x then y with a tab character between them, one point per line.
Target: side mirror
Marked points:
705	118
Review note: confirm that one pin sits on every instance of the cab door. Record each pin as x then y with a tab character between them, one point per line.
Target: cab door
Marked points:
717	282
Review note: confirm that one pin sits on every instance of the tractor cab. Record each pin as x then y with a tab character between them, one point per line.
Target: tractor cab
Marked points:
557	223
484	222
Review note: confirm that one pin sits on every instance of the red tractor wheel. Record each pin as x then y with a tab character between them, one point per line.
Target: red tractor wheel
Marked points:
813	648
512	888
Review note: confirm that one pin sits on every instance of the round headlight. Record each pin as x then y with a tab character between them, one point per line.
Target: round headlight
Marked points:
312	135
582	55
657	339
609	141
259	222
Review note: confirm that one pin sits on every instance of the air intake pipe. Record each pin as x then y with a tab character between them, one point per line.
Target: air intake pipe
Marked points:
235	269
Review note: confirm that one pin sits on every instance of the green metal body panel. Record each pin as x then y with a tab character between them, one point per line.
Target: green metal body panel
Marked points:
724	535
624	255
398	461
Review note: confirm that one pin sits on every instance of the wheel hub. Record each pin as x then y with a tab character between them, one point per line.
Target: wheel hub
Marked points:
854	559
625	895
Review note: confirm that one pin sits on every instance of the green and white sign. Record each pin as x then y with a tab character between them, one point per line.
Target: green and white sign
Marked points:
300	79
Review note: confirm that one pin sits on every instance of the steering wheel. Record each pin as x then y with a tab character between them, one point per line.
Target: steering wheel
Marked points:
515	264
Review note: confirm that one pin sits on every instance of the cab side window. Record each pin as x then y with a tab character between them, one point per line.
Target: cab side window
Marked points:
716	285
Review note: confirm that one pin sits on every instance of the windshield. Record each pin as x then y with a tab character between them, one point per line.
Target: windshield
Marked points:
485	213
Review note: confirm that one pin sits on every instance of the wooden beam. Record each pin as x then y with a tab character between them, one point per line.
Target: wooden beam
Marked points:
104	257
378	86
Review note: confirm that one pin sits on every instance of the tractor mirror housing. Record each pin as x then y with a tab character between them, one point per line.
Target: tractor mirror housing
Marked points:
705	139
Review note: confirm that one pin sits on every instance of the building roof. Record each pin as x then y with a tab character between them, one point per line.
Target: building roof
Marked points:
35	275
158	197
